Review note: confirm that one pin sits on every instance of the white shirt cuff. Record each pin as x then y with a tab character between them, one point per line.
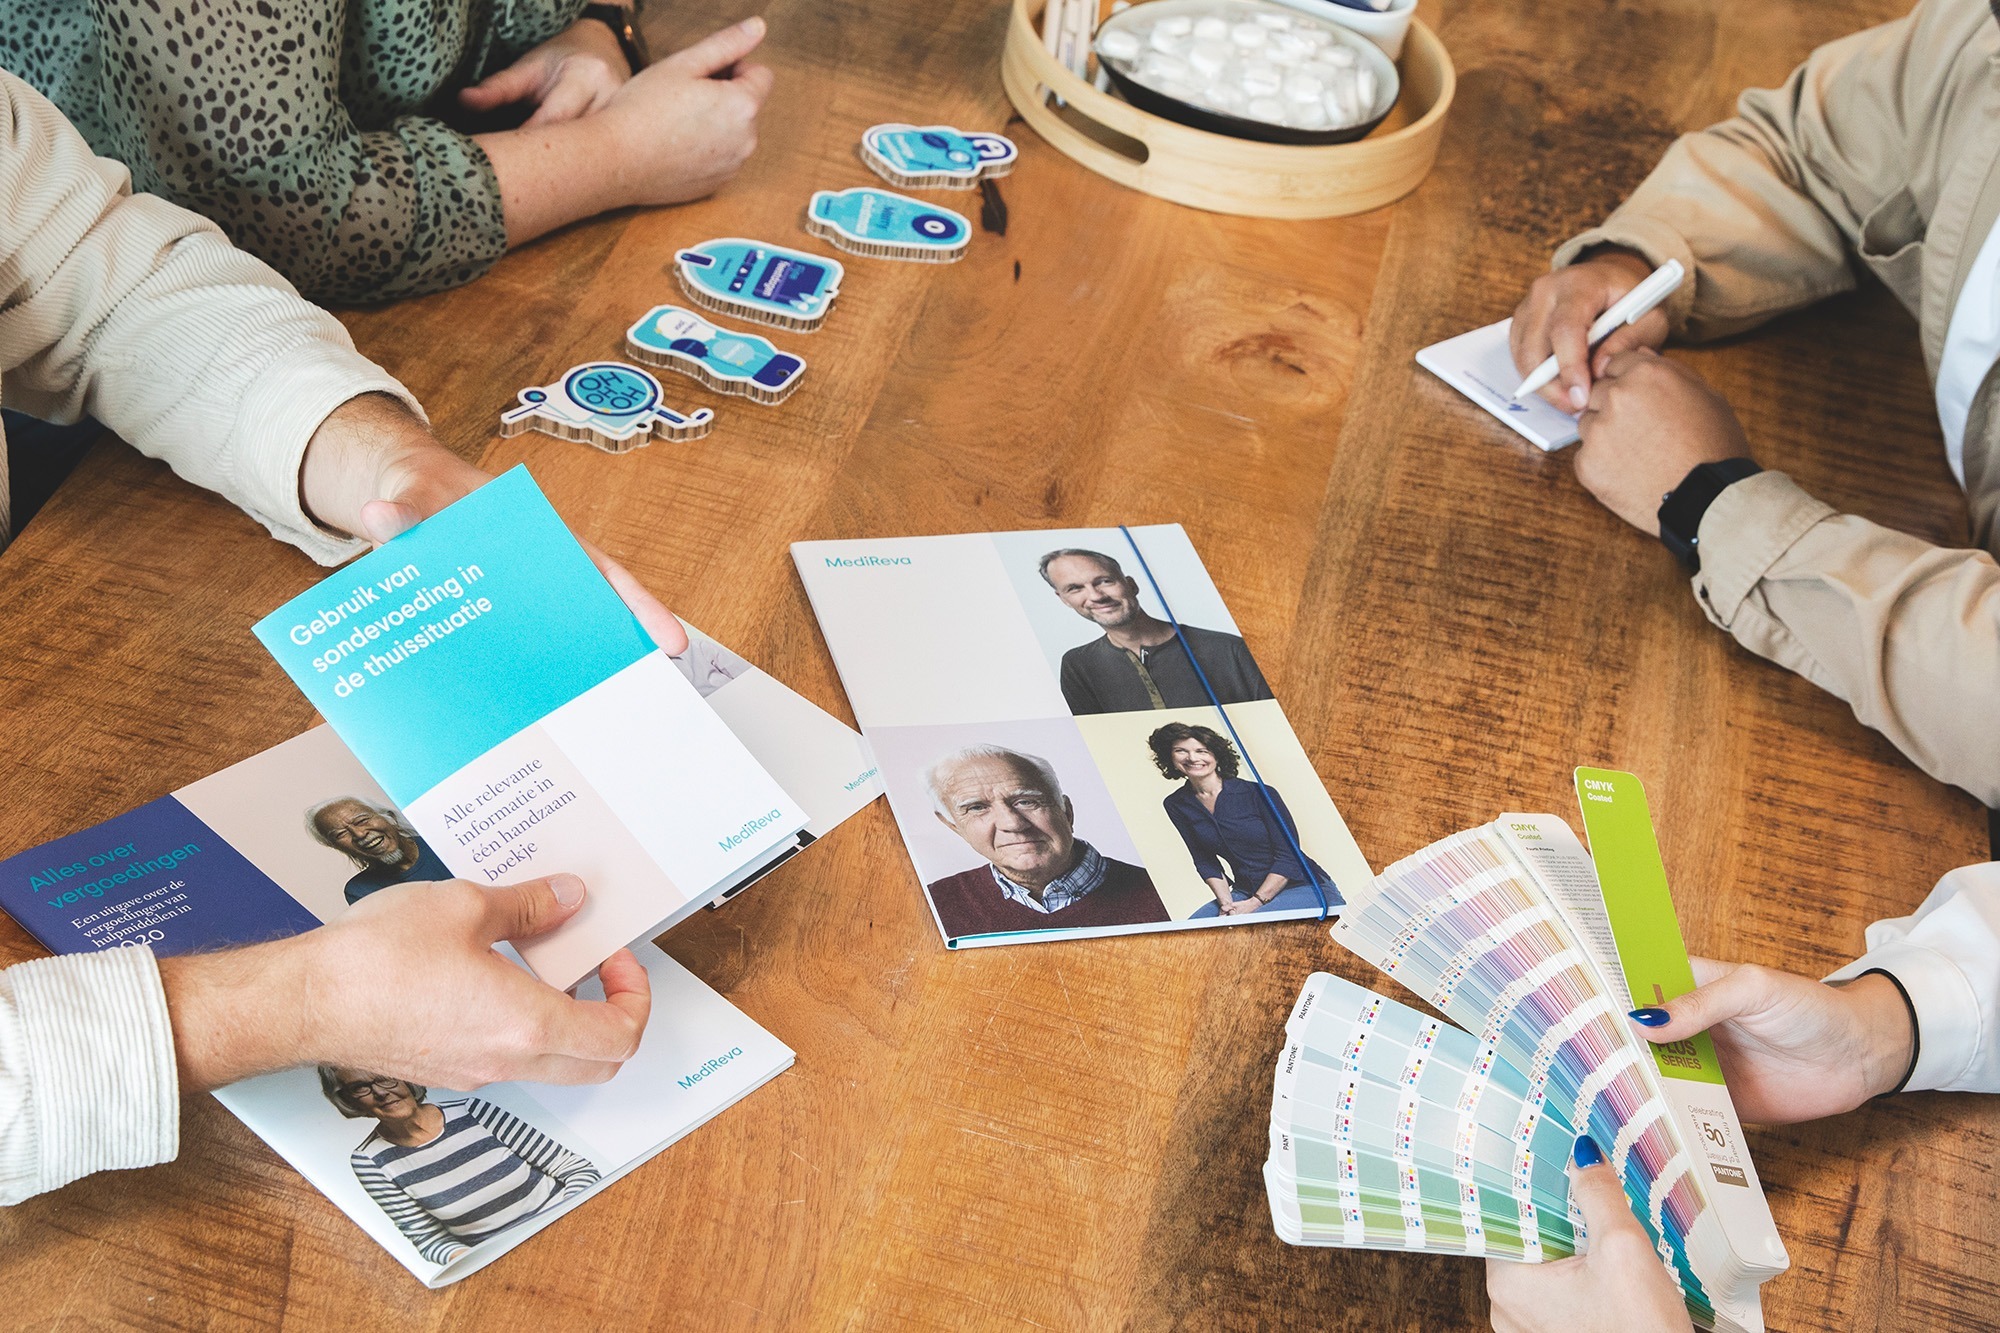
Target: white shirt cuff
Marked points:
1948	1012
102	1087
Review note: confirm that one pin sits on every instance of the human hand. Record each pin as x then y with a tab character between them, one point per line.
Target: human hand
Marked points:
407	983
684	125
1792	1048
1619	1287
374	469
1649	422
1241	907
1556	315
572	74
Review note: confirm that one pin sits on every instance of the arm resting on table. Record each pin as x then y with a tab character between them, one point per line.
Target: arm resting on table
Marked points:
1907	633
1764	209
143	315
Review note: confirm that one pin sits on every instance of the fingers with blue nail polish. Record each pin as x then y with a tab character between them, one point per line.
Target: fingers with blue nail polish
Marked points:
1587	1152
1652	1018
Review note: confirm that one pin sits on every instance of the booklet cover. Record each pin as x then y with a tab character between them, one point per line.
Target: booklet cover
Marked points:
288	838
447	1181
1074	736
518	715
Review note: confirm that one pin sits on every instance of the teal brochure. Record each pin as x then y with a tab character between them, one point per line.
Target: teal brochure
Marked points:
522	724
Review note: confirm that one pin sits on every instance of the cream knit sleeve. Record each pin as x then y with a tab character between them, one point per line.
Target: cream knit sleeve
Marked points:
143	315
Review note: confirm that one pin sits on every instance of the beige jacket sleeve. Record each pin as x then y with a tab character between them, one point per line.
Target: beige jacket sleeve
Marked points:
1765	209
1907	633
1768	210
141	314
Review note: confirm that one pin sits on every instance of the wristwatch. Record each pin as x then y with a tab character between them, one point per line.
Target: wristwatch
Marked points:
624	25
1681	508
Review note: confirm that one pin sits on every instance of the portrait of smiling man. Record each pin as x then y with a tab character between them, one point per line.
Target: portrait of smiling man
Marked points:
384	848
1138	663
1039	875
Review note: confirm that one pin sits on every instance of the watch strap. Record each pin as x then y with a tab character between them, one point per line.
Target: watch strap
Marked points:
1683	507
622	20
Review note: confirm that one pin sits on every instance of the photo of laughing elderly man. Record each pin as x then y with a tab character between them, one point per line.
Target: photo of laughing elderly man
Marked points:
1137	664
1039	875
380	842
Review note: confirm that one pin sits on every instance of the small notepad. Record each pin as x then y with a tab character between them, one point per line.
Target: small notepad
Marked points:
1478	365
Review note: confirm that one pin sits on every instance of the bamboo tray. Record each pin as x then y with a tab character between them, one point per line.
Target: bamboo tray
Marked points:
1223	174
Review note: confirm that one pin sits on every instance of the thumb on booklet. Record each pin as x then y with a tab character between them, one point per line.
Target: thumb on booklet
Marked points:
532	907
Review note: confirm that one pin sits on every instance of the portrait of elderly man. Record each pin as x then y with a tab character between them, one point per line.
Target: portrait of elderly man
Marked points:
1138	663
384	848
1039	875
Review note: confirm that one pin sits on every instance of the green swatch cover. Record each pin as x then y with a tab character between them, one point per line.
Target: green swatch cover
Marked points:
1651	951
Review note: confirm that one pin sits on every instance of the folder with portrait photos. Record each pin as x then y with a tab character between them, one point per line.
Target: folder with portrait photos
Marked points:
289	839
1075	736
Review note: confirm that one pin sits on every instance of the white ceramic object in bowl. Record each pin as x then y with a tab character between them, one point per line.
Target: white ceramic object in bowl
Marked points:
1386	27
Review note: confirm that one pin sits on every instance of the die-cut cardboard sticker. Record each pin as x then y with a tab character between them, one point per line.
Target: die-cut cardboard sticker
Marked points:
607	404
924	157
868	221
758	281
679	340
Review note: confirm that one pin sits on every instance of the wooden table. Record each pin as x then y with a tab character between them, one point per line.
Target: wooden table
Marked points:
1068	1136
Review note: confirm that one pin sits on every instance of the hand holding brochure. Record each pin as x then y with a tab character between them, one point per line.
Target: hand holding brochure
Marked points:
1392	1129
512	707
292	837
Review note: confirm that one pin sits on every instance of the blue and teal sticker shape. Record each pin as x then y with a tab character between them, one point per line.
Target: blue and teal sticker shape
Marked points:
926	157
672	338
608	404
760	281
868	221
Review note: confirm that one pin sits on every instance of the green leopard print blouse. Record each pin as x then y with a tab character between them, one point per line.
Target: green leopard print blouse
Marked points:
299	126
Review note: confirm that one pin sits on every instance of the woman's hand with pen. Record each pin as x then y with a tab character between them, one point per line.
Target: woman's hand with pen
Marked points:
1554	318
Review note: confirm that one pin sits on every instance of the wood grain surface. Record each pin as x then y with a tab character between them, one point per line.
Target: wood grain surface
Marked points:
1068	1136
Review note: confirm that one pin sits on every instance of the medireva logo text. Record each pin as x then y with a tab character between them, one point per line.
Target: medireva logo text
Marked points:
864	561
710	1066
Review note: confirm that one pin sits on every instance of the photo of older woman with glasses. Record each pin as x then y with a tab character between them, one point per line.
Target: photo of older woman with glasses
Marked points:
454	1172
1224	818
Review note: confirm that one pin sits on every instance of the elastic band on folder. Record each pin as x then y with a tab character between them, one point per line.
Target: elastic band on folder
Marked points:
1312	877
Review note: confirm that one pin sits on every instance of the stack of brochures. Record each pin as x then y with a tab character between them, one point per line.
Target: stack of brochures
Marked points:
1075	738
1394	1129
511	721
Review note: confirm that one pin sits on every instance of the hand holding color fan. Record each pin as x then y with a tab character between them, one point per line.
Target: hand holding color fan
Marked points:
1393	1129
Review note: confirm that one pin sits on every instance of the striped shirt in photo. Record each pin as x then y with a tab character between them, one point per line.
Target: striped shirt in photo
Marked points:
486	1171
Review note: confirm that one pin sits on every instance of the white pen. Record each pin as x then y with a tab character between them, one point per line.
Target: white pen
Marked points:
1628	309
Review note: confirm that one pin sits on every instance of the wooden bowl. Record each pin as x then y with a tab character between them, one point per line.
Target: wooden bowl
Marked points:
1220	173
